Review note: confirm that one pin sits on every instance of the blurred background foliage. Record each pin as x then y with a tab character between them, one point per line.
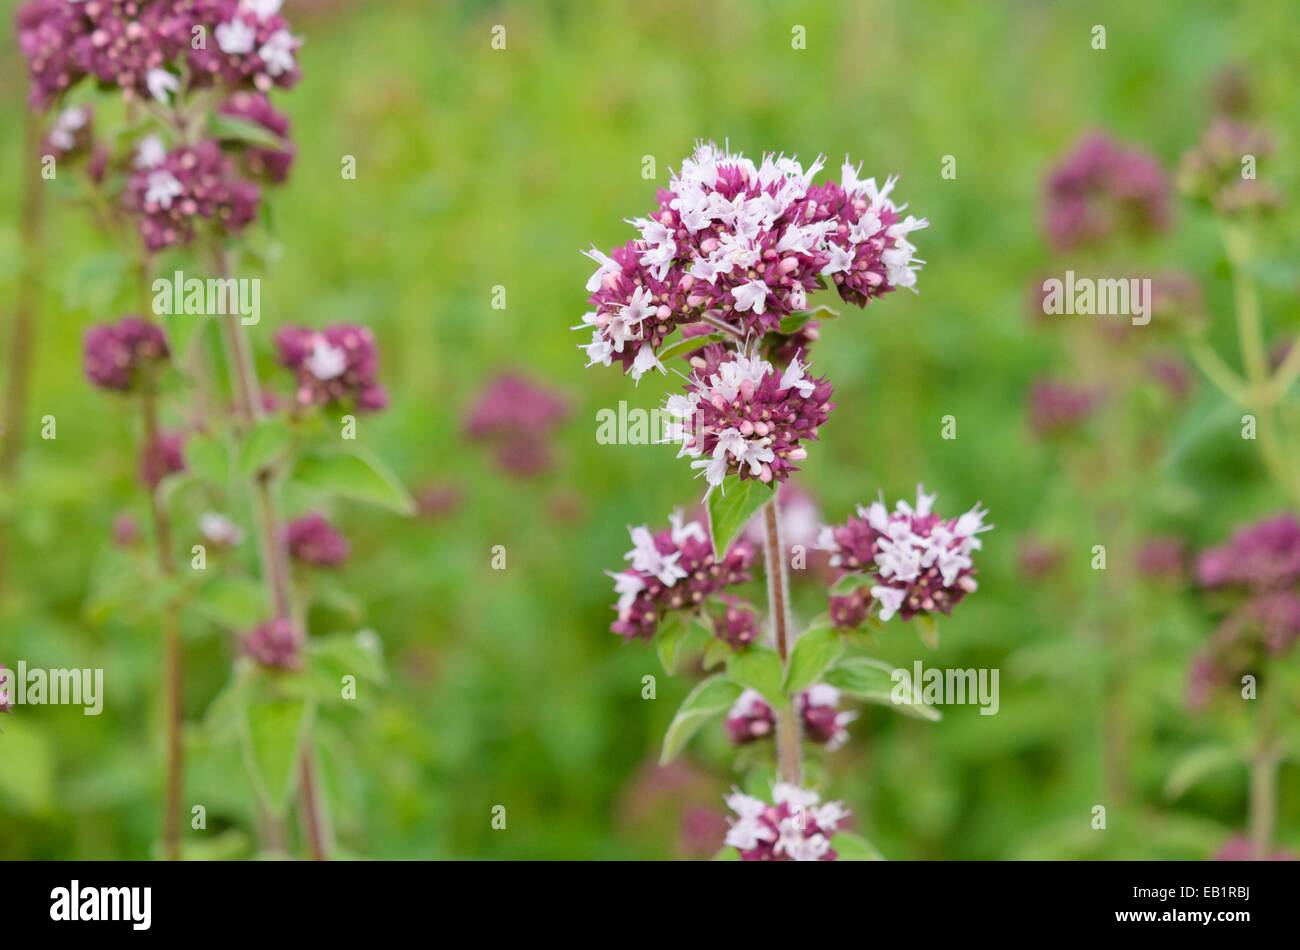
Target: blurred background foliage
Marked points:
478	168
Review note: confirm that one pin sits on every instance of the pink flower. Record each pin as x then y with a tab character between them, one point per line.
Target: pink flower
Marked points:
311	539
744	243
742	416
1056	407
921	563
269	164
116	353
750	719
517	415
336	365
1102	188
164	456
276	644
794	828
1261	556
672	570
187	187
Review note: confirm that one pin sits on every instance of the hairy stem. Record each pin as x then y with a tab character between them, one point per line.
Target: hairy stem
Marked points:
13	417
173	670
778	603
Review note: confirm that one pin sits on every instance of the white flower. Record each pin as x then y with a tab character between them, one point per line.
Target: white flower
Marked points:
599	350
747	833
841	259
794	376
607	266
326	362
163	186
150	152
889	598
236	37
681	533
797	798
751	296
627	586
829	815
822	694
645	557
70	121
277	52
161	84
645	361
746	806
262	9
219	529
812	848
749	703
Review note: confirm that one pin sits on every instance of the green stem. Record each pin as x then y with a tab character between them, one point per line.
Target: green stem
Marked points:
778	601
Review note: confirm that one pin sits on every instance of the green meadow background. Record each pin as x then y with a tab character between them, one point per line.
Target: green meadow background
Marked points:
479	167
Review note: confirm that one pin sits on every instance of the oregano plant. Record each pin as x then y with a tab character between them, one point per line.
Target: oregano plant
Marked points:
720	279
164	119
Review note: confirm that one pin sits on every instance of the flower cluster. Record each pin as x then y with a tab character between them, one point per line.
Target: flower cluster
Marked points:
518	416
672	570
1262	562
163	456
737	624
740	416
311	539
115	354
336	365
1102	188
173	191
921	563
276	644
1056	406
745	244
752	718
795	827
145	47
1214	171
269	164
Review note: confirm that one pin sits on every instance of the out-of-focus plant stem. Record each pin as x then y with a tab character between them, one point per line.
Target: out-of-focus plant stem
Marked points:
1263	784
778	603
22	339
173	669
275	560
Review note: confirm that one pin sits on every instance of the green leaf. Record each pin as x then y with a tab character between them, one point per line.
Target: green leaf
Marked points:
718	651
235	603
356	475
851	847
358	654
851	582
1196	765
229	128
711	697
688	344
730	512
273	736
872	681
927	628
265	444
208	457
679	637
758	668
815	651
